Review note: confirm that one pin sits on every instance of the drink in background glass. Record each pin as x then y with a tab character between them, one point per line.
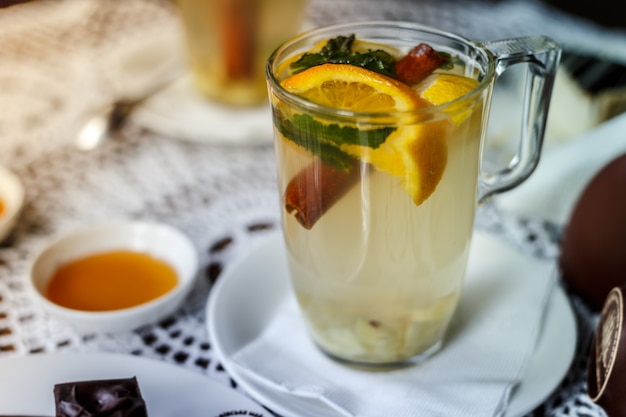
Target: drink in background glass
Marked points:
379	204
228	42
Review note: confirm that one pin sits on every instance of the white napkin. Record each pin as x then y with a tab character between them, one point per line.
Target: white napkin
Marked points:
485	355
553	189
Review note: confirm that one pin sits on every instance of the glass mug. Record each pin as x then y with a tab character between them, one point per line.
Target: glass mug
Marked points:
228	42
377	244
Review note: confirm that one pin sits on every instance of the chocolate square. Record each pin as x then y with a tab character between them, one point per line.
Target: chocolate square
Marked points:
100	398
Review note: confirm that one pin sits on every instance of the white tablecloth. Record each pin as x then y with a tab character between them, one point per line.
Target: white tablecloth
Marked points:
55	59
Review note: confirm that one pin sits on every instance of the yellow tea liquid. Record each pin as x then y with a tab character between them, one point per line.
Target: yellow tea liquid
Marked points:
378	277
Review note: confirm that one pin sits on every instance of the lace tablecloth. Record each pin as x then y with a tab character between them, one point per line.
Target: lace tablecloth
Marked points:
53	74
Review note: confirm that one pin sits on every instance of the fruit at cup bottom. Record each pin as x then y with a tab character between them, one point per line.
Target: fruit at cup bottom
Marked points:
412	172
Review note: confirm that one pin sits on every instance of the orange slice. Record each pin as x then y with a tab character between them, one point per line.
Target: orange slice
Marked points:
442	88
348	87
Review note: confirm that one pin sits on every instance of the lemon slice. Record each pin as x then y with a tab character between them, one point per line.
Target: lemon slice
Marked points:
415	153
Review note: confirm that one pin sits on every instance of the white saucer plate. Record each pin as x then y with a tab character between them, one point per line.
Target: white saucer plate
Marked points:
27	383
247	295
180	112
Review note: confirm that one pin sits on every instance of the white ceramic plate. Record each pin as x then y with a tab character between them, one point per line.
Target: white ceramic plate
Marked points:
26	385
259	282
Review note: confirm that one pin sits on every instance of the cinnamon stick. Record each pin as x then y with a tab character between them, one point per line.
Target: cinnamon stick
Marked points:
238	27
315	189
418	63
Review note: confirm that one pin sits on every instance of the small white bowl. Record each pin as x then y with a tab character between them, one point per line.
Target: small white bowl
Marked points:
158	240
12	196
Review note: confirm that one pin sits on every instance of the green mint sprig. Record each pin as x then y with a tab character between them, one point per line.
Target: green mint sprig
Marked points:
339	51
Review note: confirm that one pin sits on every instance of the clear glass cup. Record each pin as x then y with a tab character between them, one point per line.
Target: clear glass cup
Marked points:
377	269
228	42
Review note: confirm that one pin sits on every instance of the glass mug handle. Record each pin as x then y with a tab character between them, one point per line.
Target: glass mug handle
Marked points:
542	55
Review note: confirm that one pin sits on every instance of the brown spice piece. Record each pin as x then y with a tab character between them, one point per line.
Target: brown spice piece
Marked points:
238	24
418	63
315	189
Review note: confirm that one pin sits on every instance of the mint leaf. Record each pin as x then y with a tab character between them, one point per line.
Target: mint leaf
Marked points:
324	140
339	51
339	135
308	139
451	61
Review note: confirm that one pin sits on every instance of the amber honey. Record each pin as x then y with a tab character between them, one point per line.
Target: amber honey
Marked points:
1	207
110	281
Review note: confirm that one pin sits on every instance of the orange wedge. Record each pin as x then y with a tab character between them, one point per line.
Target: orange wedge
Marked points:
442	88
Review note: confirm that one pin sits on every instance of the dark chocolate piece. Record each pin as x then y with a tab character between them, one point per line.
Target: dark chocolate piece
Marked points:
100	398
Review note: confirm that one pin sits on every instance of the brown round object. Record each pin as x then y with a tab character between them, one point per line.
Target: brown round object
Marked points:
593	248
606	373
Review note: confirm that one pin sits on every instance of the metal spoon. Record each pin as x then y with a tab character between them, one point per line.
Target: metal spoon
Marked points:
112	118
137	73
102	124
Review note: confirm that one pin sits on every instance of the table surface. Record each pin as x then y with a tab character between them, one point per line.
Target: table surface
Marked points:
54	74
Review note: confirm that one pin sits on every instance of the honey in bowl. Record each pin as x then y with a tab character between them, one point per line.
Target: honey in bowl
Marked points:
110	281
